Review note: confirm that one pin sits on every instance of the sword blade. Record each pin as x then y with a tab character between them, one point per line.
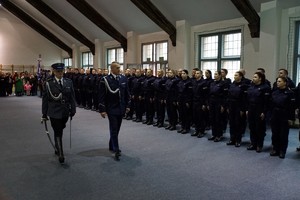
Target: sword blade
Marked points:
47	132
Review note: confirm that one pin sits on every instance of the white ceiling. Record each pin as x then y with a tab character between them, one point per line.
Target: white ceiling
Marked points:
125	16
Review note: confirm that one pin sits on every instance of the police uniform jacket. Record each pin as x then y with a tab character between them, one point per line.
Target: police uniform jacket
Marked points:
185	91
200	91
283	103
172	89
258	96
113	95
159	88
56	107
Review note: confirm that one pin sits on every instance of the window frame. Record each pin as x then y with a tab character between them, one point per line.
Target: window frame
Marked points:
68	61
89	65
155	63
116	56
296	76
220	58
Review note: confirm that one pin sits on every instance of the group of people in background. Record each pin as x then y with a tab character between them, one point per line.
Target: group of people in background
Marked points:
204	101
19	84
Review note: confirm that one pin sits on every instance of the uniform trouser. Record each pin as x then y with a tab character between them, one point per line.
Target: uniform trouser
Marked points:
160	111
149	109
215	119
58	126
89	98
115	122
280	131
139	108
95	99
132	110
77	96
83	97
235	122
224	120
198	117
257	126
172	113
185	115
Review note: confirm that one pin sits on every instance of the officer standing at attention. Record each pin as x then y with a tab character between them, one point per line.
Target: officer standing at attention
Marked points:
58	103
114	102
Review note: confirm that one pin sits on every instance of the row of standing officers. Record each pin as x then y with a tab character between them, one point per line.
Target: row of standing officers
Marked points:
209	102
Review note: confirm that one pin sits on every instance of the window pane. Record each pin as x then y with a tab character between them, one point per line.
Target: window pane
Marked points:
111	55
91	59
120	55
232	66
232	45
85	59
298	40
209	47
162	51
210	65
298	70
147	52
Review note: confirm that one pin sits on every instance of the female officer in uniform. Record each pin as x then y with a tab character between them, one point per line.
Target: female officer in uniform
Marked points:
258	99
283	110
58	103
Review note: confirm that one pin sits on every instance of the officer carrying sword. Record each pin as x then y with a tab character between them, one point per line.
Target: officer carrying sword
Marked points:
59	104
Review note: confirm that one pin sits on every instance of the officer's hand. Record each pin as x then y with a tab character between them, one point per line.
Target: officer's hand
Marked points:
262	116
291	122
127	110
103	114
45	118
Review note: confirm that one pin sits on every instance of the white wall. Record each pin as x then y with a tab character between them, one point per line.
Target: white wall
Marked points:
21	45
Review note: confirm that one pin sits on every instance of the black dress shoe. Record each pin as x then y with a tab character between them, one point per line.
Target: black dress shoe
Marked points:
217	139
168	127
138	120
258	149
200	135
149	123
251	147
298	149
237	144
172	128
160	125
184	131
230	142
155	124
117	156
145	122
212	138
179	131
282	155
274	153
196	133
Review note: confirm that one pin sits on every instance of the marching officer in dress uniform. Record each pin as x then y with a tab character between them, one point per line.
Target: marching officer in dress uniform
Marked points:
58	103
114	102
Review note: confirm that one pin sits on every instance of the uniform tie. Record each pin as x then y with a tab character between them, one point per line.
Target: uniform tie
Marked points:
60	84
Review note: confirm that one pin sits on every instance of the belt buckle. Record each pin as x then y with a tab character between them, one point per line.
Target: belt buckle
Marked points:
62	101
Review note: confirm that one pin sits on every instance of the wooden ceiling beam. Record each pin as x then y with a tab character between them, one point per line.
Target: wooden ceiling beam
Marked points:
35	25
88	11
61	22
250	14
157	17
